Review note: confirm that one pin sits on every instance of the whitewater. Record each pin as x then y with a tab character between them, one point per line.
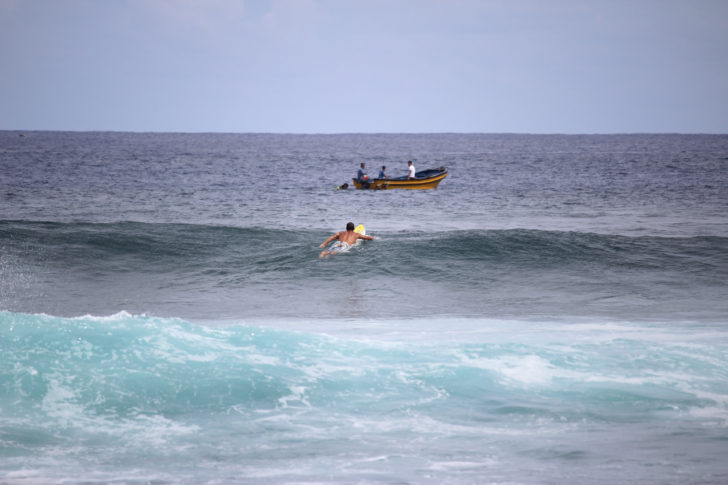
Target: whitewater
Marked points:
554	312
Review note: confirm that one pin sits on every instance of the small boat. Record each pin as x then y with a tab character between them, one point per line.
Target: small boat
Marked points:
426	179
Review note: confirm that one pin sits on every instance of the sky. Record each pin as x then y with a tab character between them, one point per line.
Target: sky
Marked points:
365	66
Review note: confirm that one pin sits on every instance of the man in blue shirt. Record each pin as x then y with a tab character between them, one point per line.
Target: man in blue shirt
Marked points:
361	173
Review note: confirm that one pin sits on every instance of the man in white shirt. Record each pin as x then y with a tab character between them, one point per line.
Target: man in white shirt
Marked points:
411	168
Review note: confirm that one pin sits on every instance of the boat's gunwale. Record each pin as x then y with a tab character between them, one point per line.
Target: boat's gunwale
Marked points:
429	182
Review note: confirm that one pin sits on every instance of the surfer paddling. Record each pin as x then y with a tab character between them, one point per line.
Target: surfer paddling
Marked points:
344	240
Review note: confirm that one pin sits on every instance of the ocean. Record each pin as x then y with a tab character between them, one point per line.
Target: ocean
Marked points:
555	311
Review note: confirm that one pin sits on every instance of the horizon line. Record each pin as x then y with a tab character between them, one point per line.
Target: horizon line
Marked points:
303	133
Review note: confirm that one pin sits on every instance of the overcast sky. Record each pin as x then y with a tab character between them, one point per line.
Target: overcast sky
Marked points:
335	66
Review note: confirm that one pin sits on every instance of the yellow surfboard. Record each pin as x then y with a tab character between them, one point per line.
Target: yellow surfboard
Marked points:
361	230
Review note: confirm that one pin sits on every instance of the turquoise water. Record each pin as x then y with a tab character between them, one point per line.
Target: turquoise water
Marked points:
141	399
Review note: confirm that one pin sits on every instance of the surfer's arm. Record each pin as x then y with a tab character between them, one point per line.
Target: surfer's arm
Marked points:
368	238
329	239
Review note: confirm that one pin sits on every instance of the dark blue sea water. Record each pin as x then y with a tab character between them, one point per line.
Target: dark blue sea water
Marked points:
556	311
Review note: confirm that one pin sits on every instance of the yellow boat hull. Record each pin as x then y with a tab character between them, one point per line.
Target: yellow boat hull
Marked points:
417	183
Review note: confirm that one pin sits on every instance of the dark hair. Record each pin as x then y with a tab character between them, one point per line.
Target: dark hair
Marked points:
384	167
349	226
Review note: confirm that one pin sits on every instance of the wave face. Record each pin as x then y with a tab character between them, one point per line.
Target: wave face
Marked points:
139	399
223	272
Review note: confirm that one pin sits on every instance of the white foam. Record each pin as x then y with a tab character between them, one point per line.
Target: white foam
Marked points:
487	330
122	315
527	369
297	395
59	402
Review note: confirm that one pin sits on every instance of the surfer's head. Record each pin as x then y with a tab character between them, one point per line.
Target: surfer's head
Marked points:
349	226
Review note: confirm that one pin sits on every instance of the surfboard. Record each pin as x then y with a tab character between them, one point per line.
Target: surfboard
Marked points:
361	230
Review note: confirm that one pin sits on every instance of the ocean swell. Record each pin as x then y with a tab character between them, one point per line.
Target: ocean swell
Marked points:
135	246
197	271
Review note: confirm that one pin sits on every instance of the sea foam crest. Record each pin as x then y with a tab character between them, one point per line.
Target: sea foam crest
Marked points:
125	366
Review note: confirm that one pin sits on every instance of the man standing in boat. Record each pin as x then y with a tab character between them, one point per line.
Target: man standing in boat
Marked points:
362	176
411	170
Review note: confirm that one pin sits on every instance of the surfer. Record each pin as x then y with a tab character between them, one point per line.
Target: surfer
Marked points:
344	240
